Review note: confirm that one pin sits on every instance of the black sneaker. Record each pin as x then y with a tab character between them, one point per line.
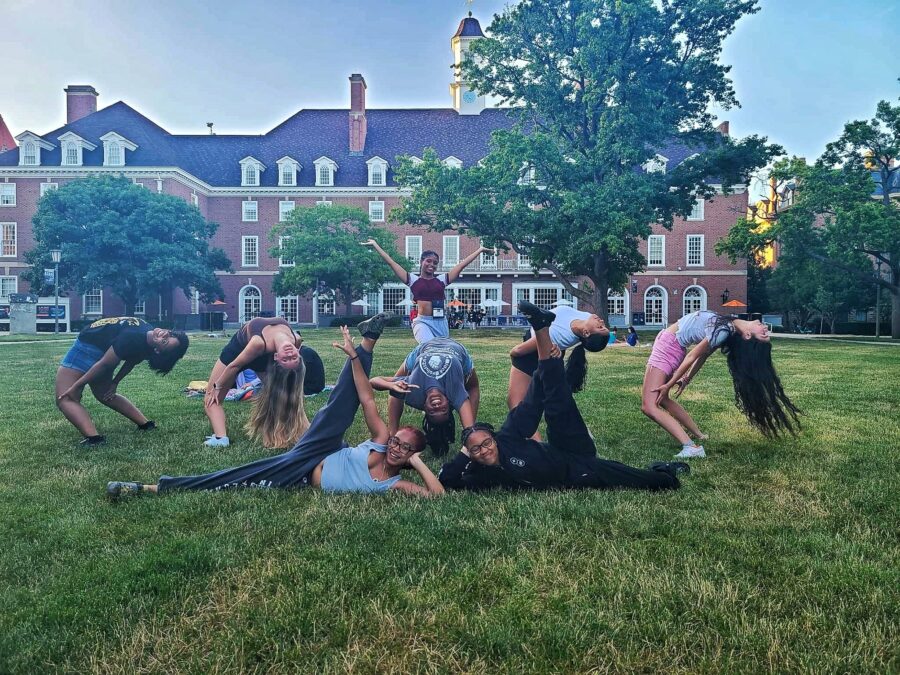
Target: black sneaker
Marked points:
674	468
91	441
117	489
372	328
149	425
537	317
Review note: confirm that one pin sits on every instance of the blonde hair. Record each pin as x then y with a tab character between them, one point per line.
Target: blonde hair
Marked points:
279	416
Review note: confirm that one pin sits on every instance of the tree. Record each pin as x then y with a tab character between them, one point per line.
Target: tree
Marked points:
598	87
118	235
843	216
324	244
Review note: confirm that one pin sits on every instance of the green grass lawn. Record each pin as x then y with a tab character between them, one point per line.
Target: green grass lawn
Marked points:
773	557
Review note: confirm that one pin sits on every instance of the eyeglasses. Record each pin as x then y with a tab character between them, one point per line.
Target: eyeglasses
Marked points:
394	442
486	444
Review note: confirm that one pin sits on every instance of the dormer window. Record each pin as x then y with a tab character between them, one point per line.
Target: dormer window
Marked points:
114	147
287	171
527	175
656	164
73	147
250	170
377	172
30	146
325	169
453	162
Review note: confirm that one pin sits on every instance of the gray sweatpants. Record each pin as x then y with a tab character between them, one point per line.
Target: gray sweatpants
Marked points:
291	469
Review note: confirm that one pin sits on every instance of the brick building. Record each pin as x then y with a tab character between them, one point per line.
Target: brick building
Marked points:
247	183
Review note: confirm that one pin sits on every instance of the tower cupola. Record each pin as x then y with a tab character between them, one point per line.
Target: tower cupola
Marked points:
466	101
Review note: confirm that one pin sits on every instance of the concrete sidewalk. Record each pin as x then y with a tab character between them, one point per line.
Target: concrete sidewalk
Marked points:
828	337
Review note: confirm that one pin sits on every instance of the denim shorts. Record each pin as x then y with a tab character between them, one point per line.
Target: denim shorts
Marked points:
81	356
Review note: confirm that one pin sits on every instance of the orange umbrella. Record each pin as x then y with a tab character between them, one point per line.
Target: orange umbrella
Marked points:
734	303
456	303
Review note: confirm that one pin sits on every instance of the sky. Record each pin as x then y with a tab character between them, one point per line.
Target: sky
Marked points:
801	68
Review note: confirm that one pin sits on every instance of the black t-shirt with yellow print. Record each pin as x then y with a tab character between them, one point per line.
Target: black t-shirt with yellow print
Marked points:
127	335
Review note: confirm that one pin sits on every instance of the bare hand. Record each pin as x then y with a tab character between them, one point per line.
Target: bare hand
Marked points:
211	397
662	392
682	384
347	345
555	352
66	394
401	386
369	242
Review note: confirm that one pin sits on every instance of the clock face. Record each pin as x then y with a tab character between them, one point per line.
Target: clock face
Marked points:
469	97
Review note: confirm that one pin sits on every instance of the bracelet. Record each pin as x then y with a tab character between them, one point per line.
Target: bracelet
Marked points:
353	358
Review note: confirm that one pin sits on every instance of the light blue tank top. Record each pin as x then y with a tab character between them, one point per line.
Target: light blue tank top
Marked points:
348	470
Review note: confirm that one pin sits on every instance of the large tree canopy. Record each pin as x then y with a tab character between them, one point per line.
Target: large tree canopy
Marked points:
118	235
323	244
598	87
842	216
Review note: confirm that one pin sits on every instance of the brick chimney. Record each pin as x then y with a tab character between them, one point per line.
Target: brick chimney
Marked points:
357	114
81	101
723	128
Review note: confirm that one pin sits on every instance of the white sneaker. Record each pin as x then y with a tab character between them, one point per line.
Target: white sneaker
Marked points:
213	442
691	451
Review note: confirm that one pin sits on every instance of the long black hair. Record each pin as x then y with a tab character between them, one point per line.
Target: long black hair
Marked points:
576	364
162	362
439	435
757	388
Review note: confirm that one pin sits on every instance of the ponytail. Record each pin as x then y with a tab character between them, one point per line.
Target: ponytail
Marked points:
576	369
439	435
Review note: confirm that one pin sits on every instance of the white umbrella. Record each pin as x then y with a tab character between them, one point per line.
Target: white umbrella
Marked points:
406	302
563	301
359	303
493	303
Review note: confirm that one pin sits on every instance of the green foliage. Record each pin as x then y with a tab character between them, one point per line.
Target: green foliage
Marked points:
115	234
598	86
324	243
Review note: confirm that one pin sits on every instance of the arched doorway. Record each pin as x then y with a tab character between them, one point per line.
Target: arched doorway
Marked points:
694	299
249	303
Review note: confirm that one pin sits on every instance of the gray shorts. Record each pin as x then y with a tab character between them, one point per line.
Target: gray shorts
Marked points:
427	328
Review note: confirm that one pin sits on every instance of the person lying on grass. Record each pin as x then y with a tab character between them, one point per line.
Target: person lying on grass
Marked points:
92	360
757	389
510	458
321	457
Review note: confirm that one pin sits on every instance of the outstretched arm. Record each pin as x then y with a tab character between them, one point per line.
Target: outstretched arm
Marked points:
255	348
364	392
454	273
398	269
473	389
433	486
691	365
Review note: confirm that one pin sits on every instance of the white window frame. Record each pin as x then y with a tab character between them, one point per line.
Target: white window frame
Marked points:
323	202
328	165
656	164
380	165
661	238
30	151
698	211
483	287
46	187
248	180
111	140
704	299
374	206
244	215
8	194
687	250
528	292
523	261
664	311
281	261
453	162
448	260
290	167
245	240
284	210
393	286
140	307
412	252
71	140
243	295
14	288
84	305
617	297
195	200
36	142
488	260
14	228
195	301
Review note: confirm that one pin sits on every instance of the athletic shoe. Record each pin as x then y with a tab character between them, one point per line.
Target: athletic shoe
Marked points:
537	317
674	468
372	328
117	489
149	425
91	441
216	442
691	452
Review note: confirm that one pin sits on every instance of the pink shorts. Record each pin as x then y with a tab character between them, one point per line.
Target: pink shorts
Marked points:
667	353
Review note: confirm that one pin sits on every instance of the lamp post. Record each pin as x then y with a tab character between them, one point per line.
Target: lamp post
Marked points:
878	300
725	296
55	256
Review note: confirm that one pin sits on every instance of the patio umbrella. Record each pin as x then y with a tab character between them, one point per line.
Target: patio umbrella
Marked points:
359	303
734	303
406	302
456	303
491	303
563	301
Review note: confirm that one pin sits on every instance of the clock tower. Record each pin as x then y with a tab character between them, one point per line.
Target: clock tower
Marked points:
466	101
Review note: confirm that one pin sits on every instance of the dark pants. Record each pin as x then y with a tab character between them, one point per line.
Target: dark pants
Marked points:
550	396
292	468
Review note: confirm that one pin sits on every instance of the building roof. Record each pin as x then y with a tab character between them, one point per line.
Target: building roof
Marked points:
469	27
894	187
7	142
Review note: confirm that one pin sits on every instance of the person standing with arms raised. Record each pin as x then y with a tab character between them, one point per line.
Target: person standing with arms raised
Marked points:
428	290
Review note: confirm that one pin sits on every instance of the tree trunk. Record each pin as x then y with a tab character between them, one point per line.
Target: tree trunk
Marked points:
895	313
600	279
347	302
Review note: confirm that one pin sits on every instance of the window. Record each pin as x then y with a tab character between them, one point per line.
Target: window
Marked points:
476	294
140	308
326	302
249	303
523	261
527	175
46	187
453	162
282	261
92	301
8	244
656	164
114	147
695	250
615	303
288	308
250	251
323	202
71	154
287	171
543	295
656	249
488	260
654	301
324	176
251	175
377	176
284	210
249	213
7	194
694	299
376	212
377	171
195	200
8	285
697	212
325	169
29	154
114	154
391	297
414	247
451	250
